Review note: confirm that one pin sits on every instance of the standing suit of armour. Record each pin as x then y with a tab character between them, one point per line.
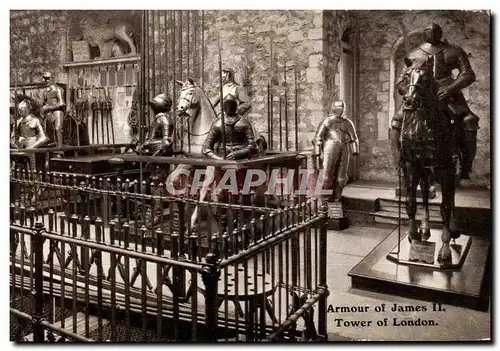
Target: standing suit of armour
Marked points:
159	143
446	58
334	139
53	107
30	131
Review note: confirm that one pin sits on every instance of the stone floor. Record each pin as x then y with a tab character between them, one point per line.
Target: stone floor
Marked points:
472	197
346	249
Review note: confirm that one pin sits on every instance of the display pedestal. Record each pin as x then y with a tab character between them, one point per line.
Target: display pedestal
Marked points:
336	218
464	282
407	251
338	223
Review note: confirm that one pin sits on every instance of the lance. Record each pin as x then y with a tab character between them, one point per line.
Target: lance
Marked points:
296	112
16	112
109	105
223	125
286	107
142	90
271	98
100	113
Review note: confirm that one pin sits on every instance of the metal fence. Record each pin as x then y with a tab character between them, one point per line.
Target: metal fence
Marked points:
117	259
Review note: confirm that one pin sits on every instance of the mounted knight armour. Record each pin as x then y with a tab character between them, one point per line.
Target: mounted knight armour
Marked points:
238	136
160	138
231	88
446	58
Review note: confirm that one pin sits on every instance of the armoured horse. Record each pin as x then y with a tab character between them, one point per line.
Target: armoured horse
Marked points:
197	115
427	144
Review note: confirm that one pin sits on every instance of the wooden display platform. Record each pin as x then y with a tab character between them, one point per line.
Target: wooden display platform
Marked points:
459	250
93	165
467	286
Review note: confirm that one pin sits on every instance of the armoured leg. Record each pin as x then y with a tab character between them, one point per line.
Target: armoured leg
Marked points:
468	147
343	172
59	127
331	153
57	120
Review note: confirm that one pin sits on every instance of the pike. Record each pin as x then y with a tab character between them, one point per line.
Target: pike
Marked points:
16	112
77	112
269	102
109	115
100	113
174	90
93	107
296	111
271	97
143	90
223	126
286	108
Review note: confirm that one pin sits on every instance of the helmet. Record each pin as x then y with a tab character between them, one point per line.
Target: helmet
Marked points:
338	107
433	34
161	103
229	70
230	105
24	108
47	75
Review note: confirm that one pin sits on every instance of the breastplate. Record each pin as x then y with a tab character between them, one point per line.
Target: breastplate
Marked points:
51	97
337	132
229	89
158	125
27	129
236	134
441	68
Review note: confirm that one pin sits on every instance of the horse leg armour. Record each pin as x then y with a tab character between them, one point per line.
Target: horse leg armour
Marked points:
468	148
411	183
446	178
411	202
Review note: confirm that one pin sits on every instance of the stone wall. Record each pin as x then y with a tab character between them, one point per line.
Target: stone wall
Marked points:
308	44
38	42
297	42
336	23
379	30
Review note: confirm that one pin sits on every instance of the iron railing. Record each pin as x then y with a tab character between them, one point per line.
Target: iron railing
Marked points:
118	260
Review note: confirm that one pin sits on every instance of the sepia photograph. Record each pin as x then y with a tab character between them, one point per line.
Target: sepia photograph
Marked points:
250	176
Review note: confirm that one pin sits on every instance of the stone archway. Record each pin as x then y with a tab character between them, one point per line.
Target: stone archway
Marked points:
348	74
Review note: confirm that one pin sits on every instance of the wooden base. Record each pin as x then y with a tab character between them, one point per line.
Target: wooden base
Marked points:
337	223
93	165
467	286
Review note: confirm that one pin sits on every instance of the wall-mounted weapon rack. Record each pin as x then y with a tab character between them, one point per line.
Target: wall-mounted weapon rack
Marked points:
91	92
